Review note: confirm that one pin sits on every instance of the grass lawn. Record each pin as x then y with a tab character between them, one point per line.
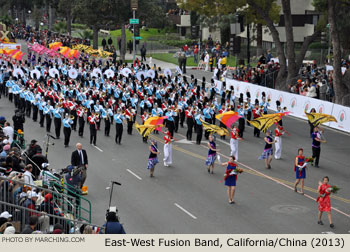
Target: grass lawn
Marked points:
168	57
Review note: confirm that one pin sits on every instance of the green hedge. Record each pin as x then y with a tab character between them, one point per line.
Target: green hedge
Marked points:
79	26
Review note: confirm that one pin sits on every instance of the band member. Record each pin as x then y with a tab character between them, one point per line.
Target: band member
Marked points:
93	119
168	151
234	142
48	115
42	104
189	118
300	170
118	118
324	201
67	122
72	106
176	117
35	109
279	110
256	114
241	121
152	158
170	120
108	120
144	118
207	112
230	178
264	104
250	108
268	150
81	120
279	131
199	127
316	144
129	115
210	161
57	114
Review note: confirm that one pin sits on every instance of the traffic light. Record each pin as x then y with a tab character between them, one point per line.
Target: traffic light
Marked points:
323	38
235	44
137	30
195	31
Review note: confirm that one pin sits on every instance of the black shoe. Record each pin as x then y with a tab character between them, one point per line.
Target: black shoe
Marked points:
212	172
331	225
208	170
317	166
320	223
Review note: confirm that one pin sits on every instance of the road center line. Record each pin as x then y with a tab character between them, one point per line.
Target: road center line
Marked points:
98	148
183	209
131	172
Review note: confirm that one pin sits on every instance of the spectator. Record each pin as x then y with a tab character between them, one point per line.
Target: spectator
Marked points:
104	43
57	229
8	131
28	176
112	226
31	227
5	217
110	41
312	91
143	51
195	54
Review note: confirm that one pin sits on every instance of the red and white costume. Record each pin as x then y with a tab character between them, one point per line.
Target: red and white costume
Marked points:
234	143
278	144
168	149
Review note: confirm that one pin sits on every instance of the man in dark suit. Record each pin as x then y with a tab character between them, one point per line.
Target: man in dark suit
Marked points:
80	158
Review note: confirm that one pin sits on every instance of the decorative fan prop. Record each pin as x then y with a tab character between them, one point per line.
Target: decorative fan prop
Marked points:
97	72
126	71
139	74
53	72
167	72
35	74
18	72
109	73
151	73
73	73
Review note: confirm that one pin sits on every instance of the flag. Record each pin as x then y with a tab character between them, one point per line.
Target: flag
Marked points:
319	118
263	123
228	118
145	130
212	128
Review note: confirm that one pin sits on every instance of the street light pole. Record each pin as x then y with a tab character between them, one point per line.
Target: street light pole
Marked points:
133	41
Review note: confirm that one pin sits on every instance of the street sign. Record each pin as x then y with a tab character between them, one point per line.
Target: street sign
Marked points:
134	4
134	21
137	37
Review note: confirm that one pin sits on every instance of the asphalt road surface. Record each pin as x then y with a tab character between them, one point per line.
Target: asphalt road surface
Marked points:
184	198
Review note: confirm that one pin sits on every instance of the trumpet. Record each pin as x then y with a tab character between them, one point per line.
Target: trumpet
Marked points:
71	117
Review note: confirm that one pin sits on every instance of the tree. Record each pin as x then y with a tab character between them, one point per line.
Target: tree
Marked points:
66	8
263	8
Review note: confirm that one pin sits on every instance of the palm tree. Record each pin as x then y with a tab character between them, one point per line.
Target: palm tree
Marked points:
85	34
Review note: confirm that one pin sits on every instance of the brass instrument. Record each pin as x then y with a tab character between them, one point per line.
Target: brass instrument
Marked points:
285	108
269	100
71	117
246	106
86	110
261	107
60	105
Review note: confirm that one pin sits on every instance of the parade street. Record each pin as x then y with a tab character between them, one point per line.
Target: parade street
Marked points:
184	198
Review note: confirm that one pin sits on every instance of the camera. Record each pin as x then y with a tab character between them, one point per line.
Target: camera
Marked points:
74	171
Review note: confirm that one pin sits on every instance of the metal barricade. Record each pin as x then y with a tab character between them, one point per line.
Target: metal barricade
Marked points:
65	200
46	221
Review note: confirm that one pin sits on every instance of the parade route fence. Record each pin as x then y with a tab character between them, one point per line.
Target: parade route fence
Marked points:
295	103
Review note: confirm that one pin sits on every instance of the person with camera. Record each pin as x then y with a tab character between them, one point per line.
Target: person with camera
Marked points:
73	179
112	225
18	121
80	158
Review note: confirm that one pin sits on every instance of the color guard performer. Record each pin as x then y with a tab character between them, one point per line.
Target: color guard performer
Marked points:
152	158
324	201
300	170
210	161
93	119
279	131
234	142
316	144
268	150
168	150
67	122
230	178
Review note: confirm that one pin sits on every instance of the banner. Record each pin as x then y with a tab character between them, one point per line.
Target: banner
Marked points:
10	46
296	104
